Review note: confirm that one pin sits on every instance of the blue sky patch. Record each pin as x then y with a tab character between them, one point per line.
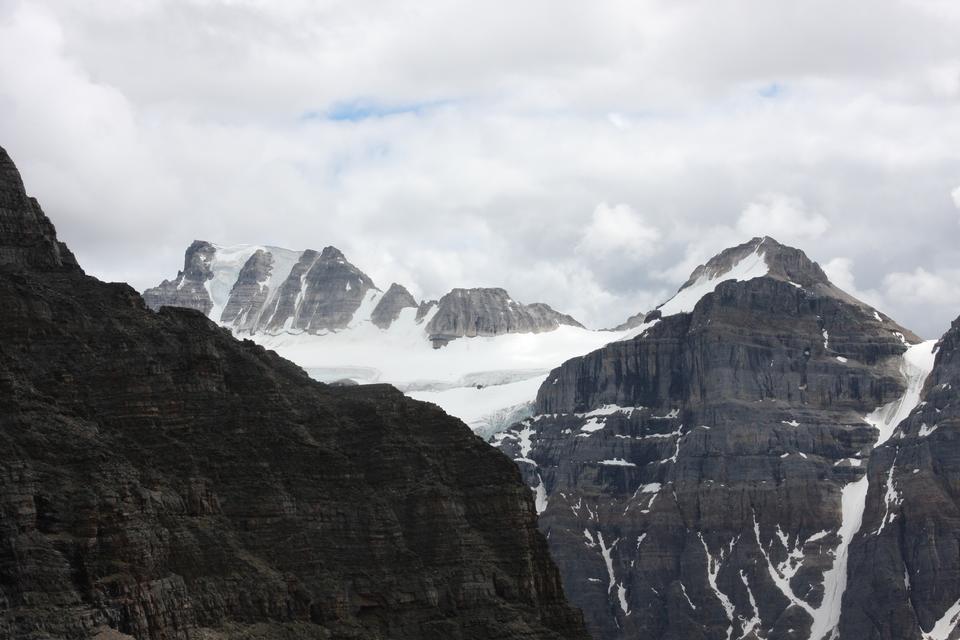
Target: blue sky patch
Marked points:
365	109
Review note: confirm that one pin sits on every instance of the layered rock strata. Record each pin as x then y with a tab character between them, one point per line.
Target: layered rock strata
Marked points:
161	480
704	479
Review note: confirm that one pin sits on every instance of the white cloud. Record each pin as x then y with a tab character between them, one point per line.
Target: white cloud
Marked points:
782	217
141	126
922	287
621	232
955	194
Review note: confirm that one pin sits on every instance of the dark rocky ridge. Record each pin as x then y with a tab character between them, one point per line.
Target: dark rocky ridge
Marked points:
27	236
905	562
742	424
489	312
164	480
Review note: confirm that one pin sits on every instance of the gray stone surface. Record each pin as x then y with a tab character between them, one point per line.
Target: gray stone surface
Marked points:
489	312
388	308
743	423
188	289
249	295
322	293
905	562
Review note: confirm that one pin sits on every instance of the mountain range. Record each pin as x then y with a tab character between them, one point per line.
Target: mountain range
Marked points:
268	290
734	463
762	456
162	480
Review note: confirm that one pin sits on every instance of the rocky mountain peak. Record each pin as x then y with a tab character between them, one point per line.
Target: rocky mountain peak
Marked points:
27	237
781	261
332	253
489	311
388	309
189	289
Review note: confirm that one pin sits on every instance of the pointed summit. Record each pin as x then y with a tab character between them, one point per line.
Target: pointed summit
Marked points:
760	256
332	253
388	309
764	257
27	237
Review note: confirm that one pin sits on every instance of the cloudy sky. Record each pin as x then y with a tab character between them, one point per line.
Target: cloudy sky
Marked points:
584	154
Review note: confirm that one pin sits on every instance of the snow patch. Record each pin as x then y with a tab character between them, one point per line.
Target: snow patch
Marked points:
617	462
915	365
748	268
540	496
713	570
945	625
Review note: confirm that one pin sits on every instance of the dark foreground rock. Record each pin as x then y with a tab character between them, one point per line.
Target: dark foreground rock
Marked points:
162	480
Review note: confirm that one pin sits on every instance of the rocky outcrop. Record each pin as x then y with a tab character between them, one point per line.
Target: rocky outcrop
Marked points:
161	480
489	312
250	293
634	321
266	289
27	237
701	480
189	288
388	309
905	560
322	296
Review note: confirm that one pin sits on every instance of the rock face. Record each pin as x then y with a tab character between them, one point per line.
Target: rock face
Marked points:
704	480
189	288
905	561
388	309
27	237
635	320
256	289
489	312
322	293
163	480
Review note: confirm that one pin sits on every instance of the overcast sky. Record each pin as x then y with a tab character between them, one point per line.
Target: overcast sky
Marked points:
584	154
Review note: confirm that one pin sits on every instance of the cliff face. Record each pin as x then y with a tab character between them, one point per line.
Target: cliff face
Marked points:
163	480
27	236
489	312
188	289
388	308
905	561
705	479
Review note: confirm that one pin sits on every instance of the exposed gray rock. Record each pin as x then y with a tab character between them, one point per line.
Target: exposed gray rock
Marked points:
249	294
489	312
739	425
278	290
388	308
905	561
424	308
322	293
636	320
188	289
